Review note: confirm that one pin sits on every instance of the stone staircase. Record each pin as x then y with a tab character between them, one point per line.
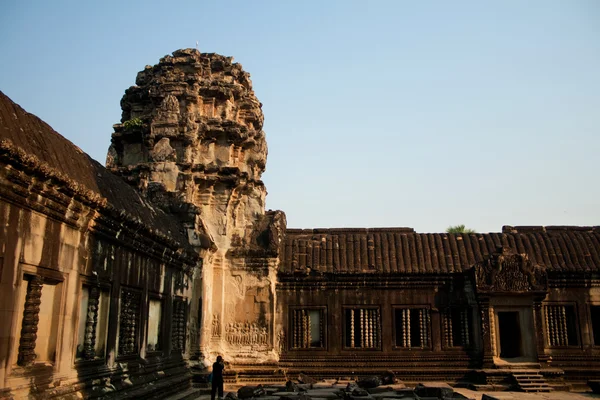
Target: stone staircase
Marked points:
531	381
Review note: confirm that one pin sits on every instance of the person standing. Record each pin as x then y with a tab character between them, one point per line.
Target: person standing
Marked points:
217	378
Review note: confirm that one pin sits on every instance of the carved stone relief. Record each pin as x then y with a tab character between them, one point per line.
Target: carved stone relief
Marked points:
246	334
507	272
216	326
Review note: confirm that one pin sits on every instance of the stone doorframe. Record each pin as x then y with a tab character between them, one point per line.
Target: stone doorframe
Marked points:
507	281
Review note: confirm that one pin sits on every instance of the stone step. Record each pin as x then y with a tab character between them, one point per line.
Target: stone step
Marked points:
531	382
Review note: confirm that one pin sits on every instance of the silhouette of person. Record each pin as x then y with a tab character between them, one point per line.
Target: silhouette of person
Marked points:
217	378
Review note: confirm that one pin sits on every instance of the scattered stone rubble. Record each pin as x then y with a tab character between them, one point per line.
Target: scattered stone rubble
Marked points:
365	388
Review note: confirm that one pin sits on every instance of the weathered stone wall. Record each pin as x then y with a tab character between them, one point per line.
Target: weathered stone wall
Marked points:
430	354
191	140
68	259
82	263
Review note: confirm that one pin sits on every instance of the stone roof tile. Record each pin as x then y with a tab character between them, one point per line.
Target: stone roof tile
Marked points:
357	251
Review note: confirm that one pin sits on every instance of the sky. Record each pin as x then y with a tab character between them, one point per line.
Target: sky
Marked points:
419	114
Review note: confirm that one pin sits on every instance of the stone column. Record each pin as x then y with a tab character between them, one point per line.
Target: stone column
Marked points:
30	321
486	333
538	328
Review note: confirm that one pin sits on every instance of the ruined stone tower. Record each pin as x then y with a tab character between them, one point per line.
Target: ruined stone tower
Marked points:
191	140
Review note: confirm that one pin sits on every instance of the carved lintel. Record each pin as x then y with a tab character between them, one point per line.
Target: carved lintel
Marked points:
30	321
507	272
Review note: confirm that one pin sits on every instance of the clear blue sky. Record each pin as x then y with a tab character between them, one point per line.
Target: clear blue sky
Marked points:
377	113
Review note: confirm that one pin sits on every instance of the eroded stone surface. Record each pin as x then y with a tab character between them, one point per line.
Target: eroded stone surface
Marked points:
191	141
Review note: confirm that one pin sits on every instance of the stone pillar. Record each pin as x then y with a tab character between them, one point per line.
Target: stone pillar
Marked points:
538	328
486	333
30	321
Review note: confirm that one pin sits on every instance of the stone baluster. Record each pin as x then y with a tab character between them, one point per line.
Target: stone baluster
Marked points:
31	318
302	332
294	329
362	328
178	327
367	329
89	342
563	325
370	337
427	325
448	328
405	342
548	326
129	326
465	328
378	328
321	322
408	335
555	325
552	324
351	327
421	328
308	330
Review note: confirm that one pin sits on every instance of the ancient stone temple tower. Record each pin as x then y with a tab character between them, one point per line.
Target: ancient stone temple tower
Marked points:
191	140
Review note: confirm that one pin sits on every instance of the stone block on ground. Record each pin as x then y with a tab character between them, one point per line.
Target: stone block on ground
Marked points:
351	386
285	394
434	389
330	393
303	387
390	394
291	387
231	396
369	382
327	383
303	378
247	392
360	392
388	378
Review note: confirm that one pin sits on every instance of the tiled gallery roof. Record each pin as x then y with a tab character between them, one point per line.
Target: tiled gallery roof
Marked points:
401	250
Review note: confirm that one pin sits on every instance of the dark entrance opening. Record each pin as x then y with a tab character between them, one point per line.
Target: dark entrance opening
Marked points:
510	334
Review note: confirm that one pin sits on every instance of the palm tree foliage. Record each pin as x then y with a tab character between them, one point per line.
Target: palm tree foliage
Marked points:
459	229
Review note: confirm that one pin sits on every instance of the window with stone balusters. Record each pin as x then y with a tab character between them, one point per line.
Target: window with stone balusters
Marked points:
362	328
561	325
308	328
412	327
458	327
93	322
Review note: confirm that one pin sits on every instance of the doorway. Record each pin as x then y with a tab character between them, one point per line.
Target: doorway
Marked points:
510	334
